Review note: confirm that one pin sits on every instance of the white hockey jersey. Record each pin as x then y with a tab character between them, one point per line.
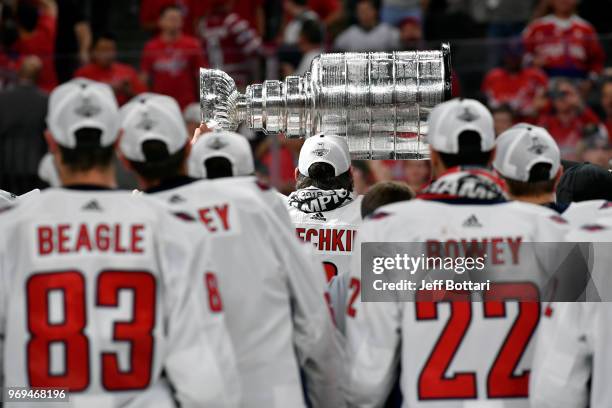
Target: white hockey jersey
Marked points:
94	298
273	293
451	354
572	364
573	360
331	232
7	198
587	211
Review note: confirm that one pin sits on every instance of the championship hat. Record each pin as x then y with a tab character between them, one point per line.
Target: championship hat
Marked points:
149	117
192	113
221	143
449	119
523	146
79	104
322	148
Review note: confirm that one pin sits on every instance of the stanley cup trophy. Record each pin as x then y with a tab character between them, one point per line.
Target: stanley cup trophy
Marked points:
379	101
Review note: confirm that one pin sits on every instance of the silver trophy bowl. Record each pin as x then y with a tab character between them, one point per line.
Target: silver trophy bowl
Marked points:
379	101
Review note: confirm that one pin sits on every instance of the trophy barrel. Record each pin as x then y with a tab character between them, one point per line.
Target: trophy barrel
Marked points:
379	101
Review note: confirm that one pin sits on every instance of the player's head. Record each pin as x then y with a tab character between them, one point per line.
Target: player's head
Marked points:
154	141
529	160
221	153
461	133
325	163
384	193
83	126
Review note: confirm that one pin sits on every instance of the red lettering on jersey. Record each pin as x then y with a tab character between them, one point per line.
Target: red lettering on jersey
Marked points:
515	245
496	251
433	248
62	238
474	248
310	233
45	240
82	237
337	244
300	233
328	239
102	237
118	248
203	212
498	248
83	240
215	217
451	248
136	238
324	240
222	212
349	240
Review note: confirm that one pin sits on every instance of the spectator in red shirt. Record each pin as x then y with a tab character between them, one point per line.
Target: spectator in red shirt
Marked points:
171	61
564	44
232	44
104	68
513	85
37	29
568	117
329	11
150	10
606	103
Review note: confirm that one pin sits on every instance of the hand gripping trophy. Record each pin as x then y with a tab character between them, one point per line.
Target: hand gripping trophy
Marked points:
379	101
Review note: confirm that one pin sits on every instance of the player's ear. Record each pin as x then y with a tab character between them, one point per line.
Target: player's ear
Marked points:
51	143
558	176
437	167
187	150
125	162
492	157
296	174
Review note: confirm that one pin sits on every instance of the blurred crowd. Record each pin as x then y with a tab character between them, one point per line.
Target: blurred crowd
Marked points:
545	64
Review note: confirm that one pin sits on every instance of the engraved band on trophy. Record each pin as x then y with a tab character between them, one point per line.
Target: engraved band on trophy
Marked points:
379	101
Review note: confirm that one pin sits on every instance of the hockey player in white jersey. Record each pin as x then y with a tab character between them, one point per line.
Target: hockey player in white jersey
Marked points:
94	281
221	153
529	161
7	199
273	294
573	359
452	353
324	208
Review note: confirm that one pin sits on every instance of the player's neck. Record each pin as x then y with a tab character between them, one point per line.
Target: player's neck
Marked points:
148	184
95	177
540	199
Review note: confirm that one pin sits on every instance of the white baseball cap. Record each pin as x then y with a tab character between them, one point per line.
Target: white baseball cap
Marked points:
331	149
221	143
47	171
82	103
151	116
191	113
523	146
449	119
